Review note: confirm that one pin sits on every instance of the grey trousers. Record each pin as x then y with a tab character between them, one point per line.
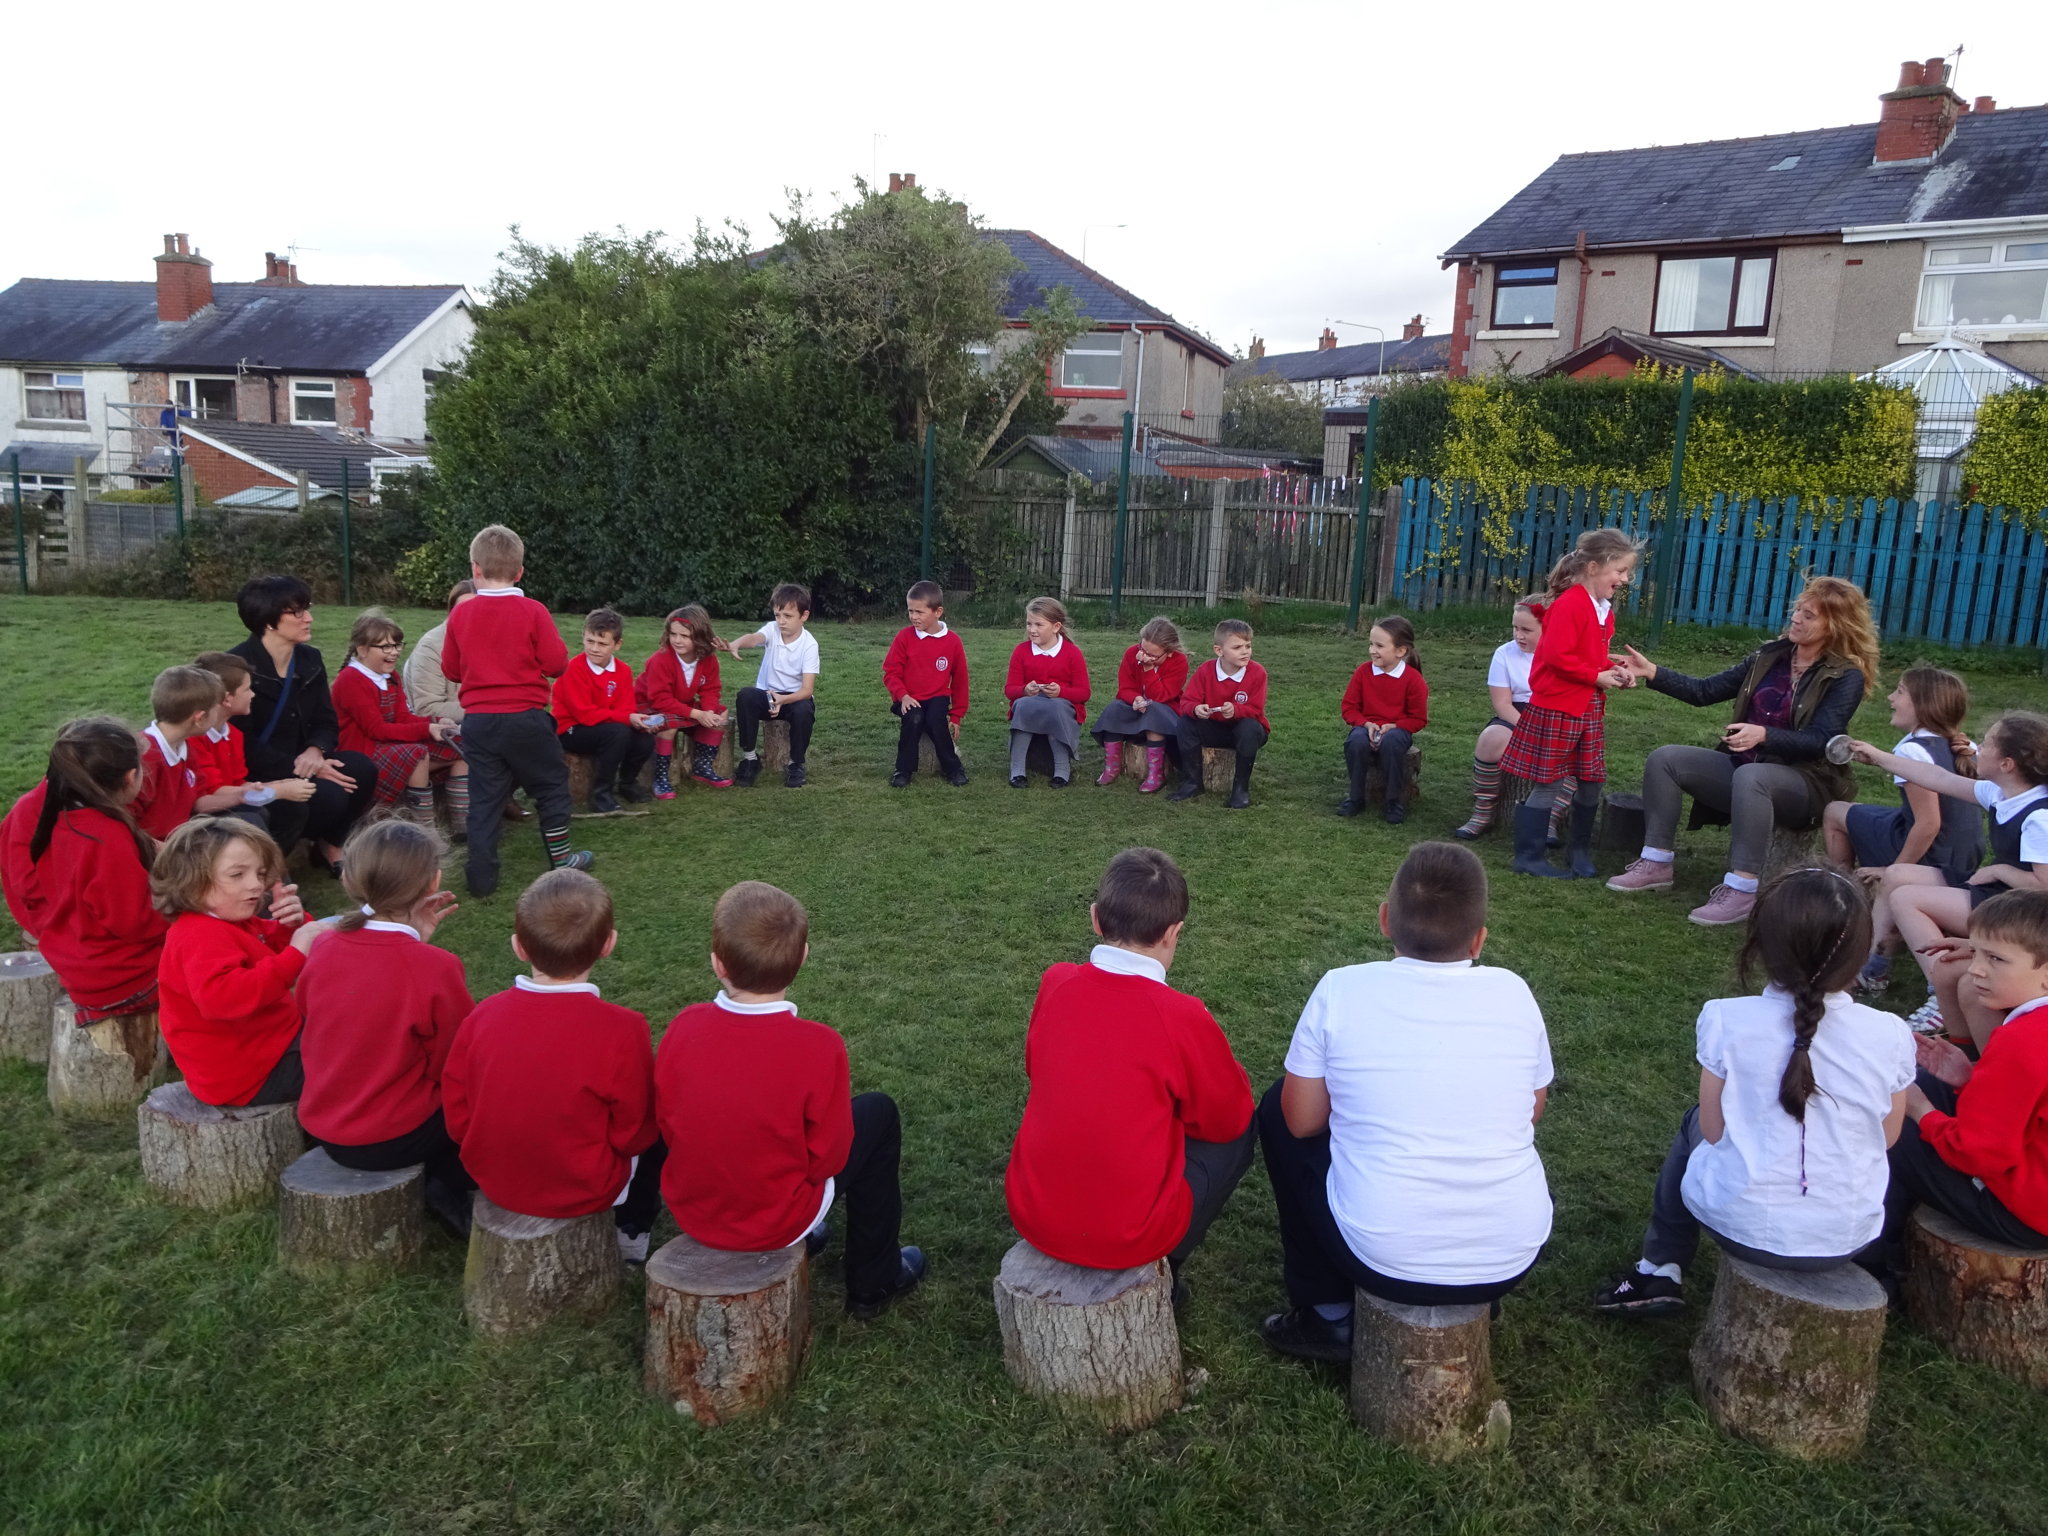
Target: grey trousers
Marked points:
1757	796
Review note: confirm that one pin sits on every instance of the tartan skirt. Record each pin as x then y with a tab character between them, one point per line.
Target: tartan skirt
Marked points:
396	760
1549	745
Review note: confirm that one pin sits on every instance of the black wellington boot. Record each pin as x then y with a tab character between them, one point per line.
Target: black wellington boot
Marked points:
1579	854
1532	830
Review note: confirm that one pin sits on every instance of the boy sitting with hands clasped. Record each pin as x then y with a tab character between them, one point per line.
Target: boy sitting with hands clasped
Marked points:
1223	705
784	688
926	675
597	715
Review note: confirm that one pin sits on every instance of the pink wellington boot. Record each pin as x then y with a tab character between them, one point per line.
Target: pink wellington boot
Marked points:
1155	770
1112	763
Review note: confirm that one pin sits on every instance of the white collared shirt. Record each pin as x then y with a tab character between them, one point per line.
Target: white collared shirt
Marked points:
1397	668
2003	808
499	592
2039	1002
1051	650
220	733
783	664
381	679
780	1005
378	925
1119	961
1602	606
1233	677
528	984
935	634
600	671
172	755
689	669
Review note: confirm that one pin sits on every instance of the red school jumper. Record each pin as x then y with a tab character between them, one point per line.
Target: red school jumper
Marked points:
502	649
1162	684
381	1008
587	697
756	1109
1207	685
663	690
1563	729
220	760
97	927
550	1094
168	788
926	666
1069	668
225	1002
19	882
1377	698
1123	1070
1999	1132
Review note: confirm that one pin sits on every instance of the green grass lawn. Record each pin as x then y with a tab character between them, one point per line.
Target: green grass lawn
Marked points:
158	1372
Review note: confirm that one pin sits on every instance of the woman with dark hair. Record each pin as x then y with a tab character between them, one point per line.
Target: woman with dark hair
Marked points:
291	729
1770	768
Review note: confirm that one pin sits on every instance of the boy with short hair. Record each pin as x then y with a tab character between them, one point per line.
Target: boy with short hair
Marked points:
502	647
225	788
596	715
784	688
926	675
549	1090
1139	1120
182	703
1975	1142
762	1128
1401	1142
1223	705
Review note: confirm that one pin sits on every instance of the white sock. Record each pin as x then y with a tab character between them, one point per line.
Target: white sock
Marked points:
749	756
1658	855
1670	1272
1743	883
1333	1311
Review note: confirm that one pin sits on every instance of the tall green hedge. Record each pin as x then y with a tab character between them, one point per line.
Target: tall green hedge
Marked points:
2008	461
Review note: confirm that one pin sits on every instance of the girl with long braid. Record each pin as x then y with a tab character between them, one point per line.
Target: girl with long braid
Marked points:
1802	1090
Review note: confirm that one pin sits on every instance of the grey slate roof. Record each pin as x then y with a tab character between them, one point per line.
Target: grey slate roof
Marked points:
290	449
1995	166
1425	354
316	328
1046	266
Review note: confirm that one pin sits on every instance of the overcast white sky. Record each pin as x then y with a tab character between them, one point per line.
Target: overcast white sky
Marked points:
1272	164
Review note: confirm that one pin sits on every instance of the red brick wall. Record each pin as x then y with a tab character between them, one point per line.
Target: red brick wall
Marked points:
1461	321
352	404
222	474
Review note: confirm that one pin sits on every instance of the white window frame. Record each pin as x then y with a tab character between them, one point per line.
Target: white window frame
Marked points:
316	389
1077	348
1999	261
193	381
56	386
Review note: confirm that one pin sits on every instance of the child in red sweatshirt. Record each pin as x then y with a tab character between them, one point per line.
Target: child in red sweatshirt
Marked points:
225	787
502	647
1224	705
597	717
181	703
1048	691
1149	682
548	1089
1386	703
678	692
382	1005
225	1000
756	1110
926	675
410	751
1139	1122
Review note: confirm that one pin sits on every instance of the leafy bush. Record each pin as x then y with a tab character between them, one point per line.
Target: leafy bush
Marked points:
2008	462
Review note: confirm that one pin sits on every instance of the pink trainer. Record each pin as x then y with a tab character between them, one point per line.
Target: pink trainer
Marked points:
1643	875
1724	905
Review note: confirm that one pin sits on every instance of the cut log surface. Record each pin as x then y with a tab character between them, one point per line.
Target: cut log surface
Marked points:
1981	1300
727	1333
1098	1344
1422	1378
1219	769
524	1270
1788	1359
29	990
195	1154
103	1070
332	1219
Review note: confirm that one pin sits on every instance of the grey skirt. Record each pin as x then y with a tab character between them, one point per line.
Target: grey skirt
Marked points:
1119	719
1051	718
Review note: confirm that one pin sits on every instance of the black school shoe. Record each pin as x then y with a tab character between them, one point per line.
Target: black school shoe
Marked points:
957	778
1306	1334
1636	1294
899	781
604	802
793	776
633	792
1394	814
749	770
908	1278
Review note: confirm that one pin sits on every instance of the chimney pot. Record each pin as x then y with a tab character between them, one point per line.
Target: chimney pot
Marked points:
1258	348
1919	117
1909	74
1985	104
1328	341
1412	331
183	249
170	245
1934	72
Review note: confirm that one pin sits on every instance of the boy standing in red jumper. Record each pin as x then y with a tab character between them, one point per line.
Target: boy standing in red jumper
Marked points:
761	1126
1224	705
597	714
181	702
548	1089
926	675
502	648
1139	1122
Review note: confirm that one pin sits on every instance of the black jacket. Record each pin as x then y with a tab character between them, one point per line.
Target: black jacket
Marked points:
308	719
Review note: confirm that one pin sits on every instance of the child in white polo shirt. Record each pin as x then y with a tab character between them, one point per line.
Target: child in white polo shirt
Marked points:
1401	1143
784	687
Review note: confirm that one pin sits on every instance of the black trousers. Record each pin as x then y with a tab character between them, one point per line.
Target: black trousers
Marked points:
503	751
1391	754
618	748
1212	1170
801	714
874	1198
635	1214
332	811
1673	1236
933	719
1920	1177
287	1080
1320	1267
428	1143
1244	737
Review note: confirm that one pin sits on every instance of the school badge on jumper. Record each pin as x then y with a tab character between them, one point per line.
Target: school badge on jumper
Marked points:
943	662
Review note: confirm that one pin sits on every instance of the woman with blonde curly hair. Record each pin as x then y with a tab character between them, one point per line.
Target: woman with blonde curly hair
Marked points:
1770	768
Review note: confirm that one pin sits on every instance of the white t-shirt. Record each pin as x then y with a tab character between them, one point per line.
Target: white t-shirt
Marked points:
1909	747
783	666
1808	1192
1509	669
2034	835
1432	1071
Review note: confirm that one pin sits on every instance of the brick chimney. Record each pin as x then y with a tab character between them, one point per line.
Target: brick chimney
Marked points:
279	273
1412	331
1258	348
1984	104
1328	341
1919	116
902	181
184	281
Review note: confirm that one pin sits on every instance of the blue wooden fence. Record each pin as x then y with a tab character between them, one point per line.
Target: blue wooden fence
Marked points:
1954	573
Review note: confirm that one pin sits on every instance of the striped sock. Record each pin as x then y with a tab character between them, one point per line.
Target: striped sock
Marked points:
456	786
557	842
419	804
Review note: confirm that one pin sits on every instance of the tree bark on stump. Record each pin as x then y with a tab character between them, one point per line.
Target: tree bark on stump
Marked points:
1376	786
1422	1378
29	990
1790	848
1788	1359
1219	769
103	1070
1134	756
1099	1345
1980	1300
524	1270
195	1154
773	744
727	1333
1622	822
336	1220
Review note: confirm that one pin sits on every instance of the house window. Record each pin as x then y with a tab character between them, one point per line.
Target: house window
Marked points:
55	396
984	355
1714	295
1989	283
313	402
1094	361
1525	297
205	399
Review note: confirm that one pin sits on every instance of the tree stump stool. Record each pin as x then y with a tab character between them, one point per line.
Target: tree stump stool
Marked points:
727	1333
196	1154
29	990
1134	757
1219	769
773	745
1376	788
1788	1358
1790	847
103	1070
1422	1378
1622	824
335	1220
1980	1300
524	1270
1099	1345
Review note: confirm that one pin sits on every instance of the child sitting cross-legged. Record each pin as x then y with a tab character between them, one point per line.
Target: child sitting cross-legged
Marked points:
1801	1091
678	694
1139	1121
763	1129
1401	1143
1386	703
410	751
